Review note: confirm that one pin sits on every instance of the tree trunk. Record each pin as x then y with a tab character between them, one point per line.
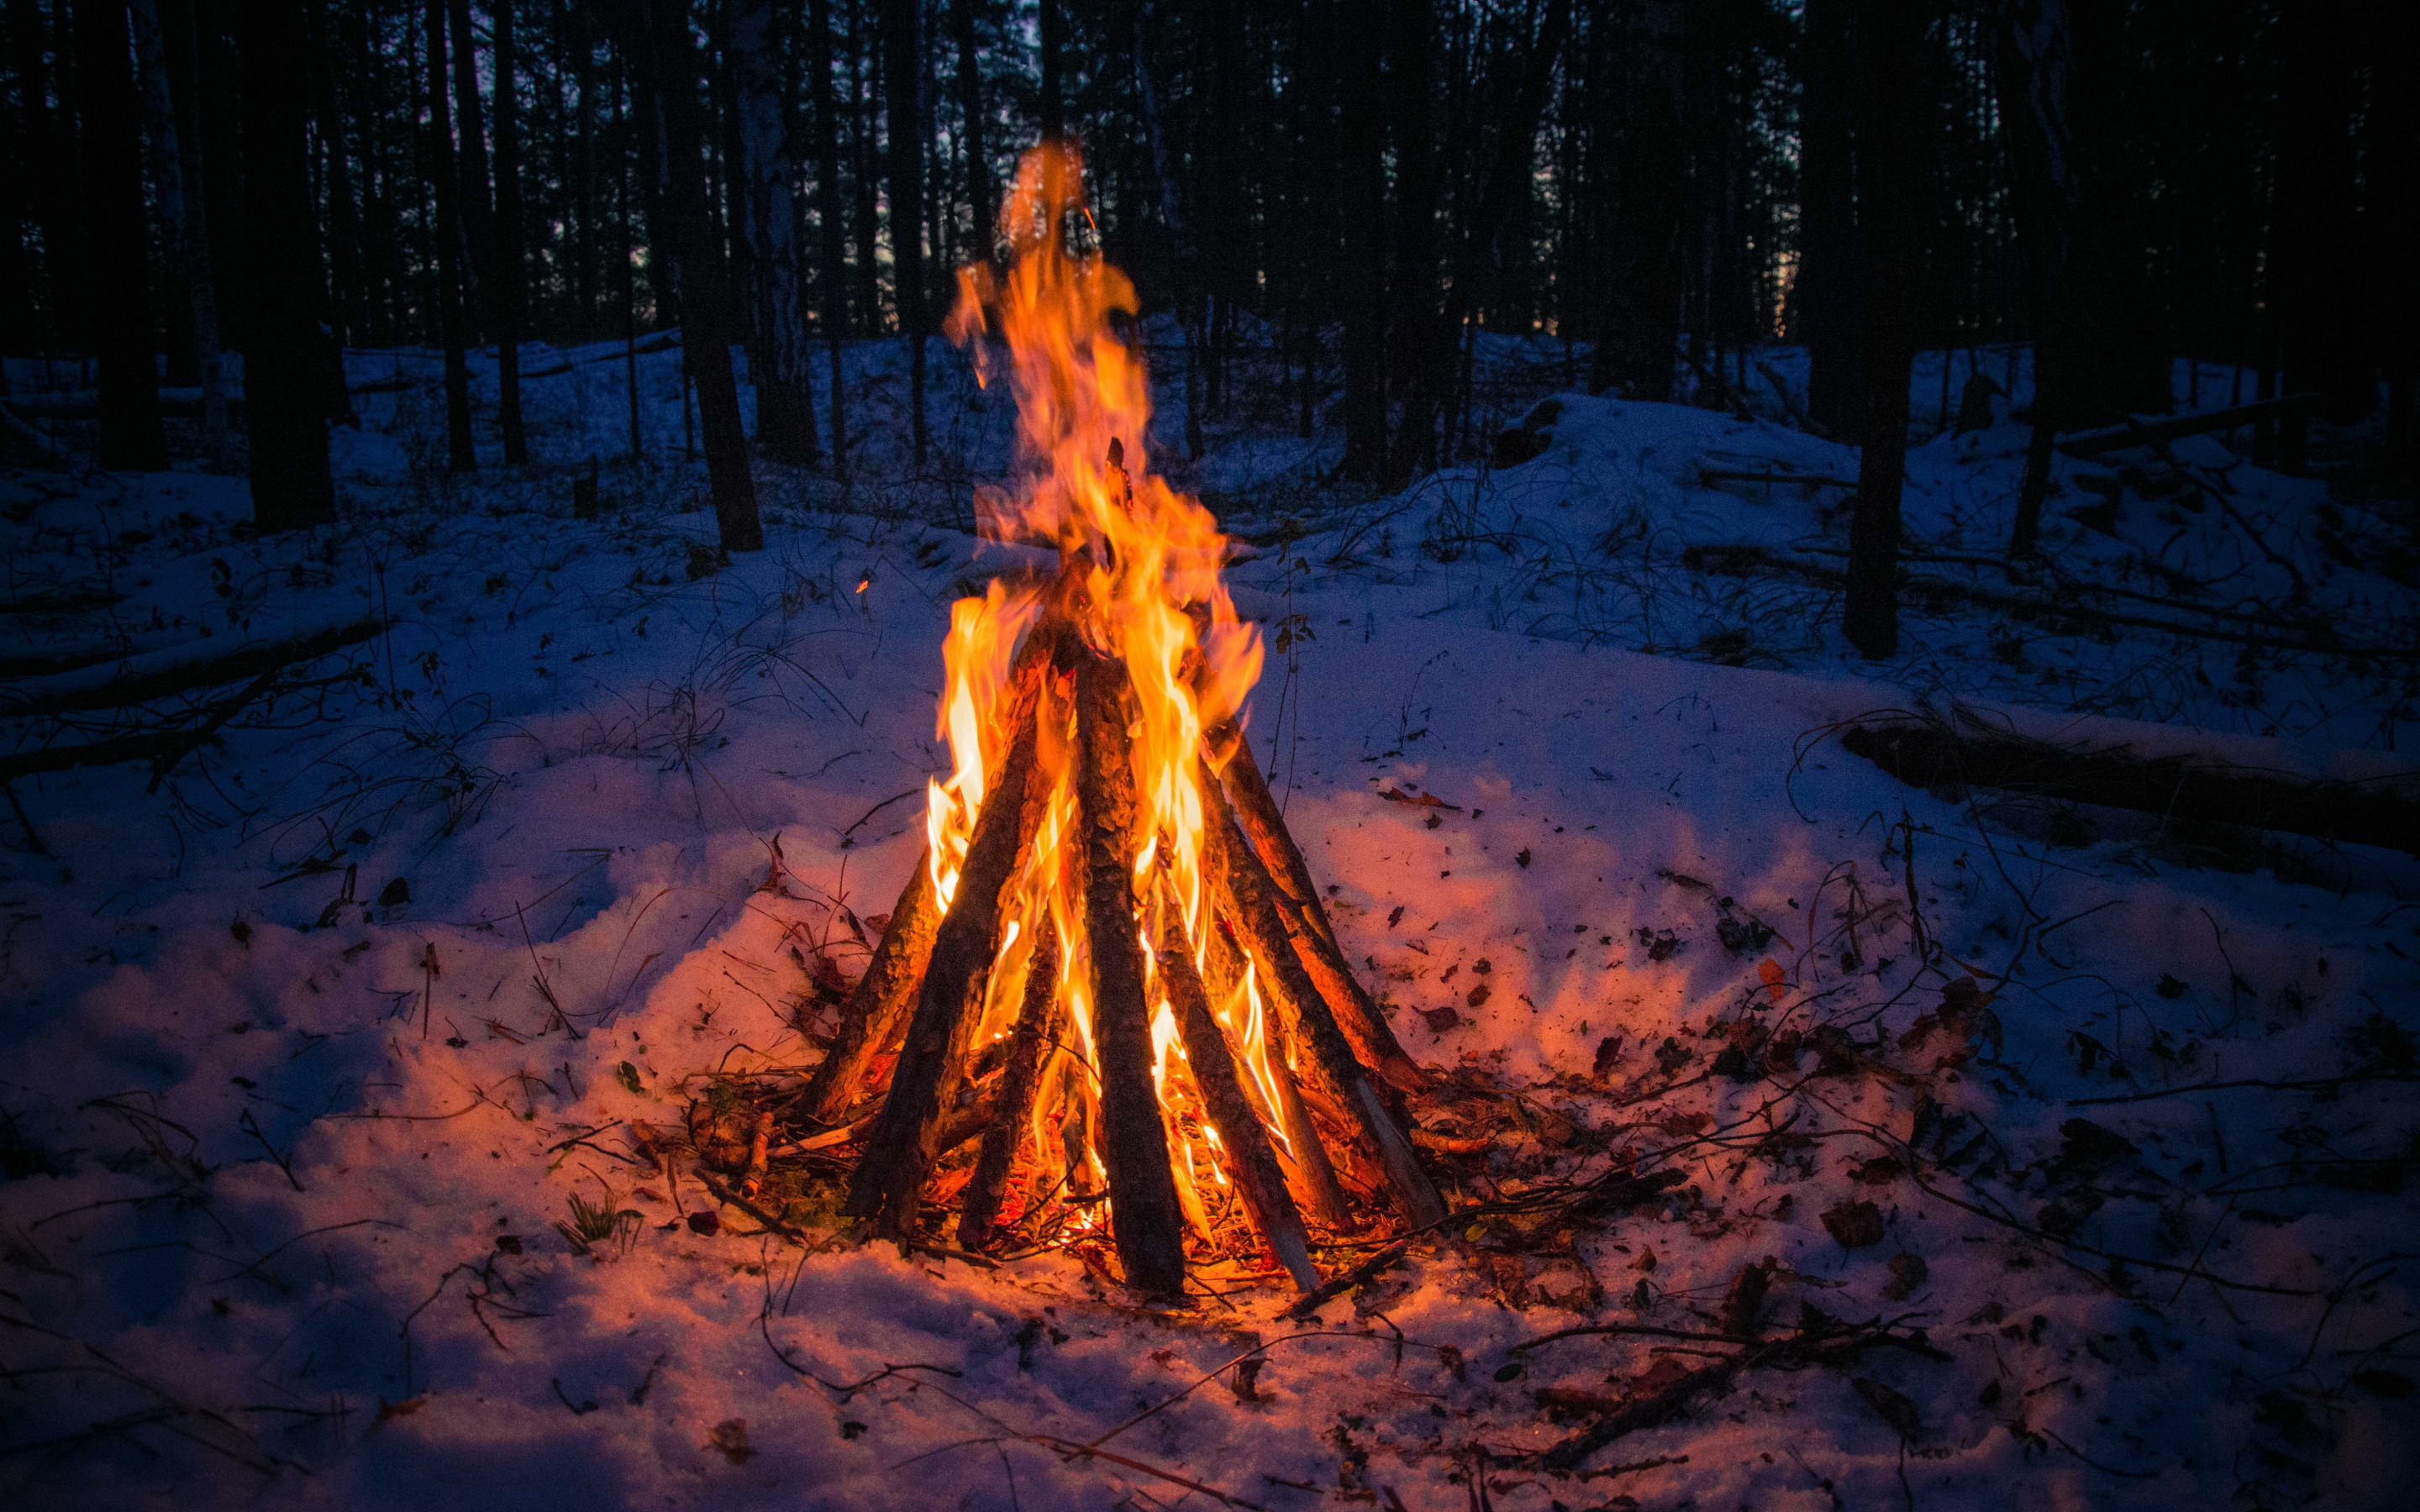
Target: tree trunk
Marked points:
49	167
668	76
125	341
1362	185
511	278
283	370
831	218
783	370
1180	237
865	104
2315	283
470	171
1051	26
1827	319
343	307
1642	331
168	117
2097	353
629	280
1421	363
904	85
980	193
2393	204
1887	48
462	454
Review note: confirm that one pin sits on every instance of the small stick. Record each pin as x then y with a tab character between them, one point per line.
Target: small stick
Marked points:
1252	1165
1329	1291
1145	1218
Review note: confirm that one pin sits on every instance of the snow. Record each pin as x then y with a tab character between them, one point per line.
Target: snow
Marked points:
269	1120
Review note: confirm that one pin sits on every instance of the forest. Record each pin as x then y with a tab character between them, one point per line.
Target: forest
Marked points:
735	734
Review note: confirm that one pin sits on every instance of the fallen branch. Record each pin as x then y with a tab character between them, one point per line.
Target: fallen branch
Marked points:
2324	1083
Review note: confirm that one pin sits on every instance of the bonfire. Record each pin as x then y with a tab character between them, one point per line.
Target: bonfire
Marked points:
1111	966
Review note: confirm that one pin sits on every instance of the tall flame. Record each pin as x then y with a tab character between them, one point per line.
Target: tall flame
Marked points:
1059	324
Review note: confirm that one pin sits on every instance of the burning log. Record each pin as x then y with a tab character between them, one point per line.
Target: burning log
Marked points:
1252	1165
1306	918
1037	1022
1336	1077
1143	1189
876	1006
1110	965
901	1150
1315	1180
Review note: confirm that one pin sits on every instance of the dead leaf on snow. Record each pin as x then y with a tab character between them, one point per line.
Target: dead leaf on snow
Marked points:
1854	1224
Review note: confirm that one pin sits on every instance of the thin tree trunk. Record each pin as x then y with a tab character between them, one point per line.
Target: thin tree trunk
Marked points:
283	371
866	102
470	171
50	166
2096	353
168	114
904	116
1642	331
979	195
2394	160
1888	47
2315	283
668	75
1051	26
511	278
131	439
344	214
830	217
629	280
462	454
784	368
1362	180
1423	356
1180	237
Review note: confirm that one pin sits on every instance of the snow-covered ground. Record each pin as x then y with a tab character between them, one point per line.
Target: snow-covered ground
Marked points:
306	1054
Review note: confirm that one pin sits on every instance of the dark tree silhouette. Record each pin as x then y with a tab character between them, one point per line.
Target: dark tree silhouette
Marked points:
284	378
125	340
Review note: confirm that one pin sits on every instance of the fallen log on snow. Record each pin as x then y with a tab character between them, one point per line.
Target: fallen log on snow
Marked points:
1750	561
2143	432
1933	753
185	668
